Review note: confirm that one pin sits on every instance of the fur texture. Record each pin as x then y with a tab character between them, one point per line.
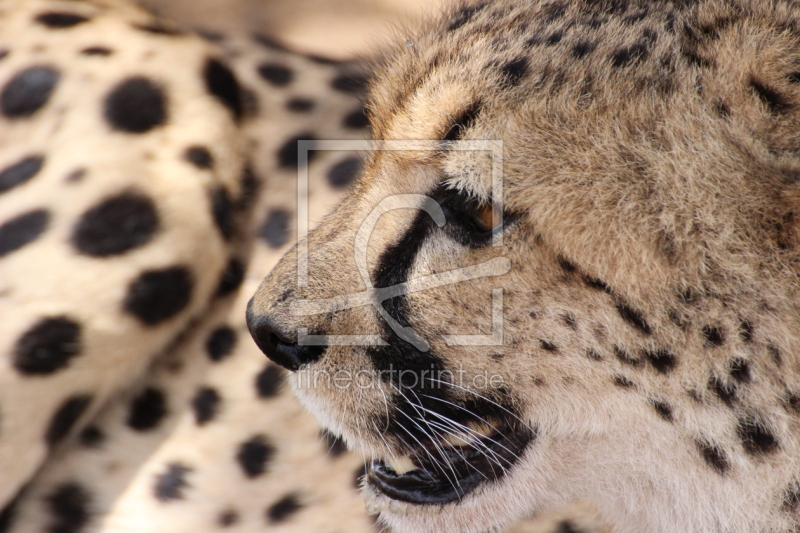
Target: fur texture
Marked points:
650	325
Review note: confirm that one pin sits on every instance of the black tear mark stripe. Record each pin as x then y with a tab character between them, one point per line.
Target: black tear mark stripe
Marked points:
422	379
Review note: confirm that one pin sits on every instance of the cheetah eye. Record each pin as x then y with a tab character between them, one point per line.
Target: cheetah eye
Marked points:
471	221
484	218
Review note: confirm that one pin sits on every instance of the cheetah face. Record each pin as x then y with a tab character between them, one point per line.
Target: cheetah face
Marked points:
554	299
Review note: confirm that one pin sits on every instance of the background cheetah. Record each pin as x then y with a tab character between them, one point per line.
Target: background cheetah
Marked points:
139	175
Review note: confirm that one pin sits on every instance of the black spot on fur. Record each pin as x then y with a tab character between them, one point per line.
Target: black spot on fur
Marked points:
793	77
713	336
92	437
597	284
276	74
101	51
220	343
792	402
756	438
300	105
593	355
232	277
65	417
582	49
626	357
565	526
663	409
464	15
28	91
269	381
158	295
791	497
8	514
171	484
249	185
199	156
554	11
554	38
48	346
515	70
548	346
222	211
662	360
566	265
630	55
158	28
714	457
284	508
725	391
569	320
76	175
745	331
775	353
334	444
740	370
722	109
135	105
356	120
775	101
205	405
20	172
289	152
254	456
69	508
350	82
633	317
228	518
60	20
343	173
116	225
223	85
275	229
623	382
463	122
147	410
22	230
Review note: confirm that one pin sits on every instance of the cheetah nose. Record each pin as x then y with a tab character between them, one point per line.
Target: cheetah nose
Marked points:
276	344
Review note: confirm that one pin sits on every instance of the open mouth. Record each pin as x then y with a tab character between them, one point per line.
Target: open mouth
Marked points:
447	470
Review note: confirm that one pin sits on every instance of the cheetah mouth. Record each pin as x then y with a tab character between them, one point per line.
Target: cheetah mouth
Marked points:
447	470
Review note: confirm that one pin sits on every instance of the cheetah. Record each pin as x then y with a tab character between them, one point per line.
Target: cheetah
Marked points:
147	180
568	275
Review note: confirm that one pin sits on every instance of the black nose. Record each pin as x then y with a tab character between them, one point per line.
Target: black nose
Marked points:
277	345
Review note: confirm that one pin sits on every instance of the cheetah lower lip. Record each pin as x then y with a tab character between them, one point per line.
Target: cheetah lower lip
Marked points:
446	472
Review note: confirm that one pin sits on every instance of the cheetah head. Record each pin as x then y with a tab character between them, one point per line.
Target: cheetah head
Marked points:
579	286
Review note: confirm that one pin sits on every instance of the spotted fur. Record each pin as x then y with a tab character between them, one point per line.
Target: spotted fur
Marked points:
649	336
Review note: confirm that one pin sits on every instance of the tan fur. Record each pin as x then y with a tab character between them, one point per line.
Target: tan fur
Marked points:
671	177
